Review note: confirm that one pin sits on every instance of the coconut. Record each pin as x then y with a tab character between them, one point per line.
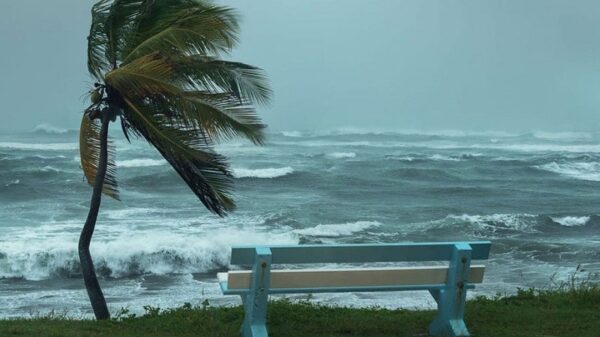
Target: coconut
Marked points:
96	96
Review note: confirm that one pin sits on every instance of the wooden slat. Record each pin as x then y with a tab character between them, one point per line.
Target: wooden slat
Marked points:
342	278
359	253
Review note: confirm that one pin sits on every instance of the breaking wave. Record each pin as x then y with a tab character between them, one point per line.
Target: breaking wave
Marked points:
35	146
269	173
564	135
49	129
157	253
141	162
336	230
571	221
578	170
294	134
341	155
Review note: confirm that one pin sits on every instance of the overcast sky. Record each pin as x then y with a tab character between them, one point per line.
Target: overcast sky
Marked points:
384	64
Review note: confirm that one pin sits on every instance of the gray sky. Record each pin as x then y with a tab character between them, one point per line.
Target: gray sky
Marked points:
385	64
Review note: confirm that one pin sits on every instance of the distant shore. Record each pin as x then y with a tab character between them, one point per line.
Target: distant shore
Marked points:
556	313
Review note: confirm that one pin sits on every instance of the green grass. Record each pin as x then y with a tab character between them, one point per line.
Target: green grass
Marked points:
531	313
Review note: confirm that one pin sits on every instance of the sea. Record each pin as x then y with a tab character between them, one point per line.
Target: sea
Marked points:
535	196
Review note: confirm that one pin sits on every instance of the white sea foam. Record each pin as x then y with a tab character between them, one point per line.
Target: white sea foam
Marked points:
581	148
141	162
412	132
49	129
128	213
440	157
341	155
35	146
14	182
294	134
564	135
493	222
448	145
571	221
49	169
336	230
36	257
271	172
39	156
578	170
434	157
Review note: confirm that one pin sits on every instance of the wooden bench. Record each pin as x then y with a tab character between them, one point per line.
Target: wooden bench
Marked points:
447	284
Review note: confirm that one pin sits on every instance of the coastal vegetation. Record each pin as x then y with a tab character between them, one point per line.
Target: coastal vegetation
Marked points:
565	312
158	70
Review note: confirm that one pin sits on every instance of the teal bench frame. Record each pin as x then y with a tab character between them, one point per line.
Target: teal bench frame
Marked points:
450	297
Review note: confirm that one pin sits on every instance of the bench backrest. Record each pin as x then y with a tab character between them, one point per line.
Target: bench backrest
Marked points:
359	253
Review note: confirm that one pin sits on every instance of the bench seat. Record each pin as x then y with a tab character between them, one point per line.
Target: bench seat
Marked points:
289	281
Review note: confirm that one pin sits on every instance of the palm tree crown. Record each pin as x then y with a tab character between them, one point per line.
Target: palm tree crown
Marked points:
158	69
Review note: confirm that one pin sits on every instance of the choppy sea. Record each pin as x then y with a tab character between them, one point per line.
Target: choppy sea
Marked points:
536	196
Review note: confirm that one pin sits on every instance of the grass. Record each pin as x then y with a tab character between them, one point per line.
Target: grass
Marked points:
569	311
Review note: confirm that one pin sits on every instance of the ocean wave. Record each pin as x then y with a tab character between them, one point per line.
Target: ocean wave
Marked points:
580	148
336	230
348	131
141	162
293	134
271	172
128	254
439	157
39	156
502	225
36	146
589	171
13	182
341	155
420	157
562	135
49	129
50	169
484	226
447	145
129	213
571	221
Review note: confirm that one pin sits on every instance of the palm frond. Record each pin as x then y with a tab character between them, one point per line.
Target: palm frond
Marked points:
217	76
97	40
205	172
89	151
121	26
218	116
145	76
170	86
185	27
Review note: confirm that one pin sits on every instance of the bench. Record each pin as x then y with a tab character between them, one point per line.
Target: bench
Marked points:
447	284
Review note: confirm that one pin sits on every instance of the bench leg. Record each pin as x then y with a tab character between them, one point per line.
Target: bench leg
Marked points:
255	302
451	300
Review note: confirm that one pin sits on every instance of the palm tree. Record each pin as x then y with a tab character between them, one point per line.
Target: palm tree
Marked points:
158	70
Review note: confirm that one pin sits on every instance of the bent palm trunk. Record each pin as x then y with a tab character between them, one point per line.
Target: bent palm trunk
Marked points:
87	265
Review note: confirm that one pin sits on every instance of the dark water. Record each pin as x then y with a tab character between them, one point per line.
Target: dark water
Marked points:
535	196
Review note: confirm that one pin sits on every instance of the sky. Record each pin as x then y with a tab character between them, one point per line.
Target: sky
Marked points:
476	65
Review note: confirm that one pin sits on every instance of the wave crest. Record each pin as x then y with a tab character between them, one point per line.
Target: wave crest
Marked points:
578	170
141	162
36	146
157	253
269	173
49	129
571	221
336	230
341	155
